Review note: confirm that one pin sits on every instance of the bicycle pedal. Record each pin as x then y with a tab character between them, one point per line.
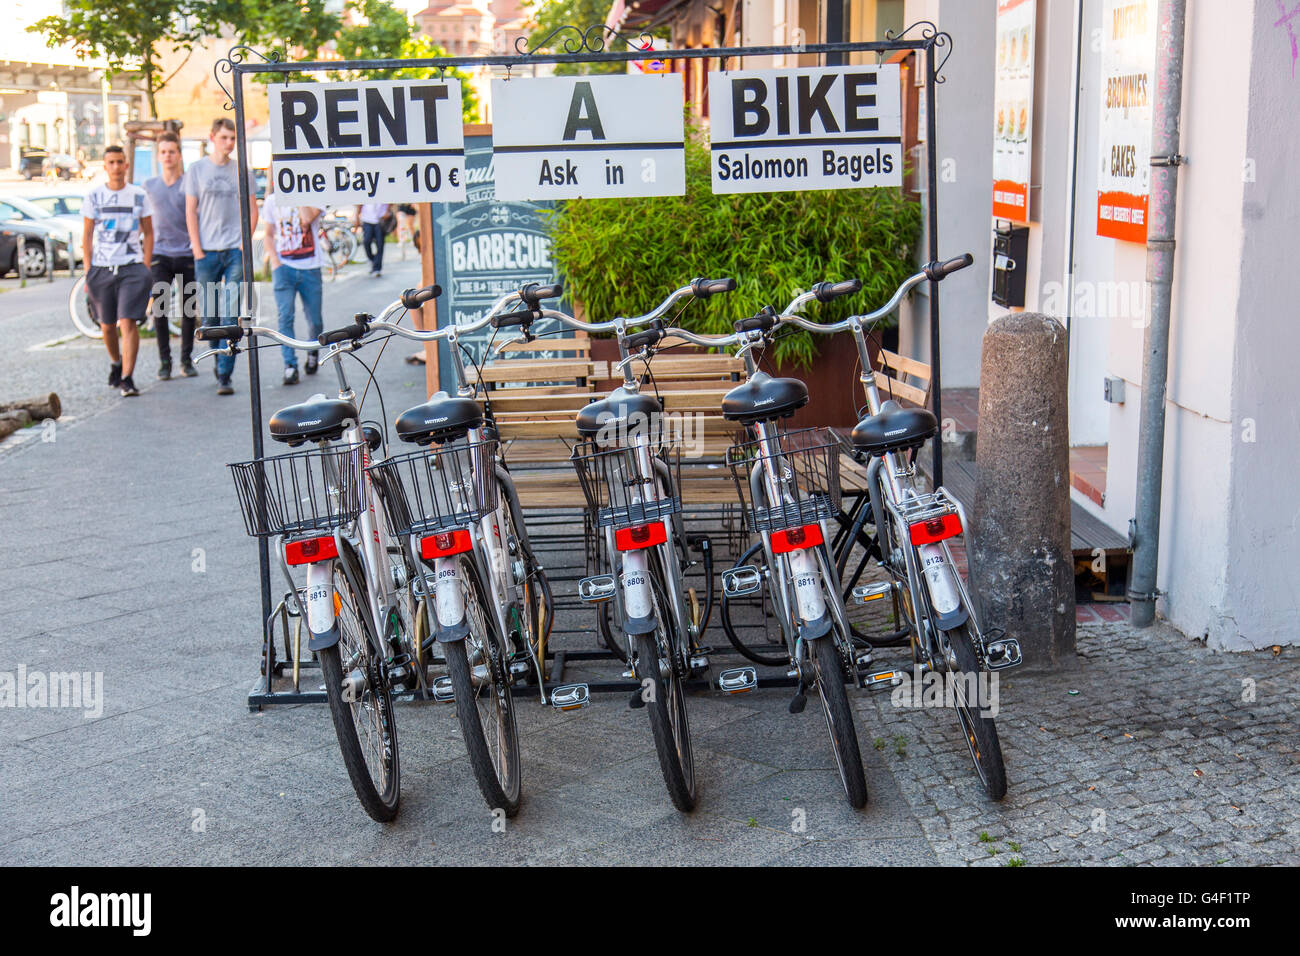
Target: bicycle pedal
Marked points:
737	582
1002	653
866	593
863	660
798	703
738	680
597	589
886	678
570	697
442	690
699	662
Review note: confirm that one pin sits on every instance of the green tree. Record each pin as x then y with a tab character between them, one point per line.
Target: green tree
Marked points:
130	36
550	15
385	30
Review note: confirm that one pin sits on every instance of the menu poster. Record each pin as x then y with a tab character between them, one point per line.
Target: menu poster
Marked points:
1013	109
1128	59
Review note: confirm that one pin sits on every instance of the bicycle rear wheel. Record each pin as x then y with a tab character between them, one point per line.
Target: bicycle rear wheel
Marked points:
667	703
362	710
980	732
839	719
484	704
82	310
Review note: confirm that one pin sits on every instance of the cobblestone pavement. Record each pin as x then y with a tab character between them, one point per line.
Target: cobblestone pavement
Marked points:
1151	750
124	555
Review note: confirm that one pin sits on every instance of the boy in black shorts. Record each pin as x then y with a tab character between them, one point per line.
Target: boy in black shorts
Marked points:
117	235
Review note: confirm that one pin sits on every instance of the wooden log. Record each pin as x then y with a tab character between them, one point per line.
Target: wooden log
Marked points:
19	415
39	408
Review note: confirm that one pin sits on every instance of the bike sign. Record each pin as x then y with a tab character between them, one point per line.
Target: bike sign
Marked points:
395	141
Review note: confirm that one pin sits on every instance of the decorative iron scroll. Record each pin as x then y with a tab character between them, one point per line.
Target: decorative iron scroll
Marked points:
937	38
238	54
591	40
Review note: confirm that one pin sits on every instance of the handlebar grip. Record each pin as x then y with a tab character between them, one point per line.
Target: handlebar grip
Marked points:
414	298
216	333
762	322
937	270
639	340
825	291
511	319
354	331
703	288
532	293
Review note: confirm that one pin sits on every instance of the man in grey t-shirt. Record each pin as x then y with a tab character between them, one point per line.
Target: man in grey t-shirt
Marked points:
172	257
212	216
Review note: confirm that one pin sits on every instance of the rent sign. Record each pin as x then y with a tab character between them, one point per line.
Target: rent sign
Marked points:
372	141
589	137
810	128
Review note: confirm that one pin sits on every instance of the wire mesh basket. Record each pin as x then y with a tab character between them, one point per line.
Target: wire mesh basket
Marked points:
615	481
805	463
302	491
438	488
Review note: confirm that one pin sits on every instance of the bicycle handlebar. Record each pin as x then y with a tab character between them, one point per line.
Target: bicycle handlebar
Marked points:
414	298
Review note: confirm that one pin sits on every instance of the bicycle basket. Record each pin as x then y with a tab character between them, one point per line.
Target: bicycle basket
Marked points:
437	488
806	465
302	491
618	492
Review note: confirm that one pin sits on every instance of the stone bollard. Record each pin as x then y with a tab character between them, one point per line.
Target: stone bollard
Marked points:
1022	566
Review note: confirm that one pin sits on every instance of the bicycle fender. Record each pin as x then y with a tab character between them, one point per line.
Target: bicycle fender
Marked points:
456	632
812	630
324	639
953	619
639	625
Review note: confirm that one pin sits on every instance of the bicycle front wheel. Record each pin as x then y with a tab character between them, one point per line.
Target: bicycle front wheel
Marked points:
839	719
485	706
361	705
82	310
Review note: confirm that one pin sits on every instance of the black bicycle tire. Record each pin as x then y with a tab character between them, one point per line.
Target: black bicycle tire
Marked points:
681	790
458	669
839	720
724	611
981	732
380	806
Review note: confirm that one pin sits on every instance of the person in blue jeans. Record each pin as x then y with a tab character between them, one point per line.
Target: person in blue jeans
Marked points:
212	219
293	246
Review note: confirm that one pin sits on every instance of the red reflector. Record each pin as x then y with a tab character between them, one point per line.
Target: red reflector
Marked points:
311	550
936	529
446	543
645	536
796	539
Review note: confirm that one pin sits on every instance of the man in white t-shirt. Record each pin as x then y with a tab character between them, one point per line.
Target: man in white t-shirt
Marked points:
293	244
371	217
117	237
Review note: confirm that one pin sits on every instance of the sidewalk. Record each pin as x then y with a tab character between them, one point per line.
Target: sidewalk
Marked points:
125	555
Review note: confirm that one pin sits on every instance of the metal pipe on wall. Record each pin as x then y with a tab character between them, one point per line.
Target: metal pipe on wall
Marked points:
1165	134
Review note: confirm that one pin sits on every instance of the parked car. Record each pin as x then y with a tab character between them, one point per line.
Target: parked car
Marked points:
31	161
63	205
34	234
22	209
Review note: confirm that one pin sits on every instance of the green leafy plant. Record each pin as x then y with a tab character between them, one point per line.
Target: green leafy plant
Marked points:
622	257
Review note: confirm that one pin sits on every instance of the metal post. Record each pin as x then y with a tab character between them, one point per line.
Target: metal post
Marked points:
22	261
1165	131
49	258
835	29
254	368
932	195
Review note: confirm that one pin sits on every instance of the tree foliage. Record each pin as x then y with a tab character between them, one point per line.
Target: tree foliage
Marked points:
551	15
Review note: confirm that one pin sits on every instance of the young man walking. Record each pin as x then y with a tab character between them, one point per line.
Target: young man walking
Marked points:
117	236
371	216
294	249
212	216
172	256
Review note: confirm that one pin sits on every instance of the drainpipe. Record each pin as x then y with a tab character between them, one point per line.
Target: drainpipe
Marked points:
1170	23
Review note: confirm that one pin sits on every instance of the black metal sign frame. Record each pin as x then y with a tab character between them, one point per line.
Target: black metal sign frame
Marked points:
580	45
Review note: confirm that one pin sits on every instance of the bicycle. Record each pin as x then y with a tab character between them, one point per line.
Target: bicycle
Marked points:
914	529
627	463
455	503
339	241
81	309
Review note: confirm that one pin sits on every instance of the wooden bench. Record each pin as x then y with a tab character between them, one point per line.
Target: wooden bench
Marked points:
906	381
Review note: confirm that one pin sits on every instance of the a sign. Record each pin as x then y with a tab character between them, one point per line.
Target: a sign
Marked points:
397	141
1013	109
484	248
591	137
1128	58
809	128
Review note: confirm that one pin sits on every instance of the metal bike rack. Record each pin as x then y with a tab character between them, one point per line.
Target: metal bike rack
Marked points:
582	46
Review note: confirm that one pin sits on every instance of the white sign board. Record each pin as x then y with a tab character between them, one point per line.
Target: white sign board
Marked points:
397	141
1013	107
1128	62
808	128
591	137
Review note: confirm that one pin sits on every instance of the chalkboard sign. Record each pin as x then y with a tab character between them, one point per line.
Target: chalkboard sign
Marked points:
483	249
